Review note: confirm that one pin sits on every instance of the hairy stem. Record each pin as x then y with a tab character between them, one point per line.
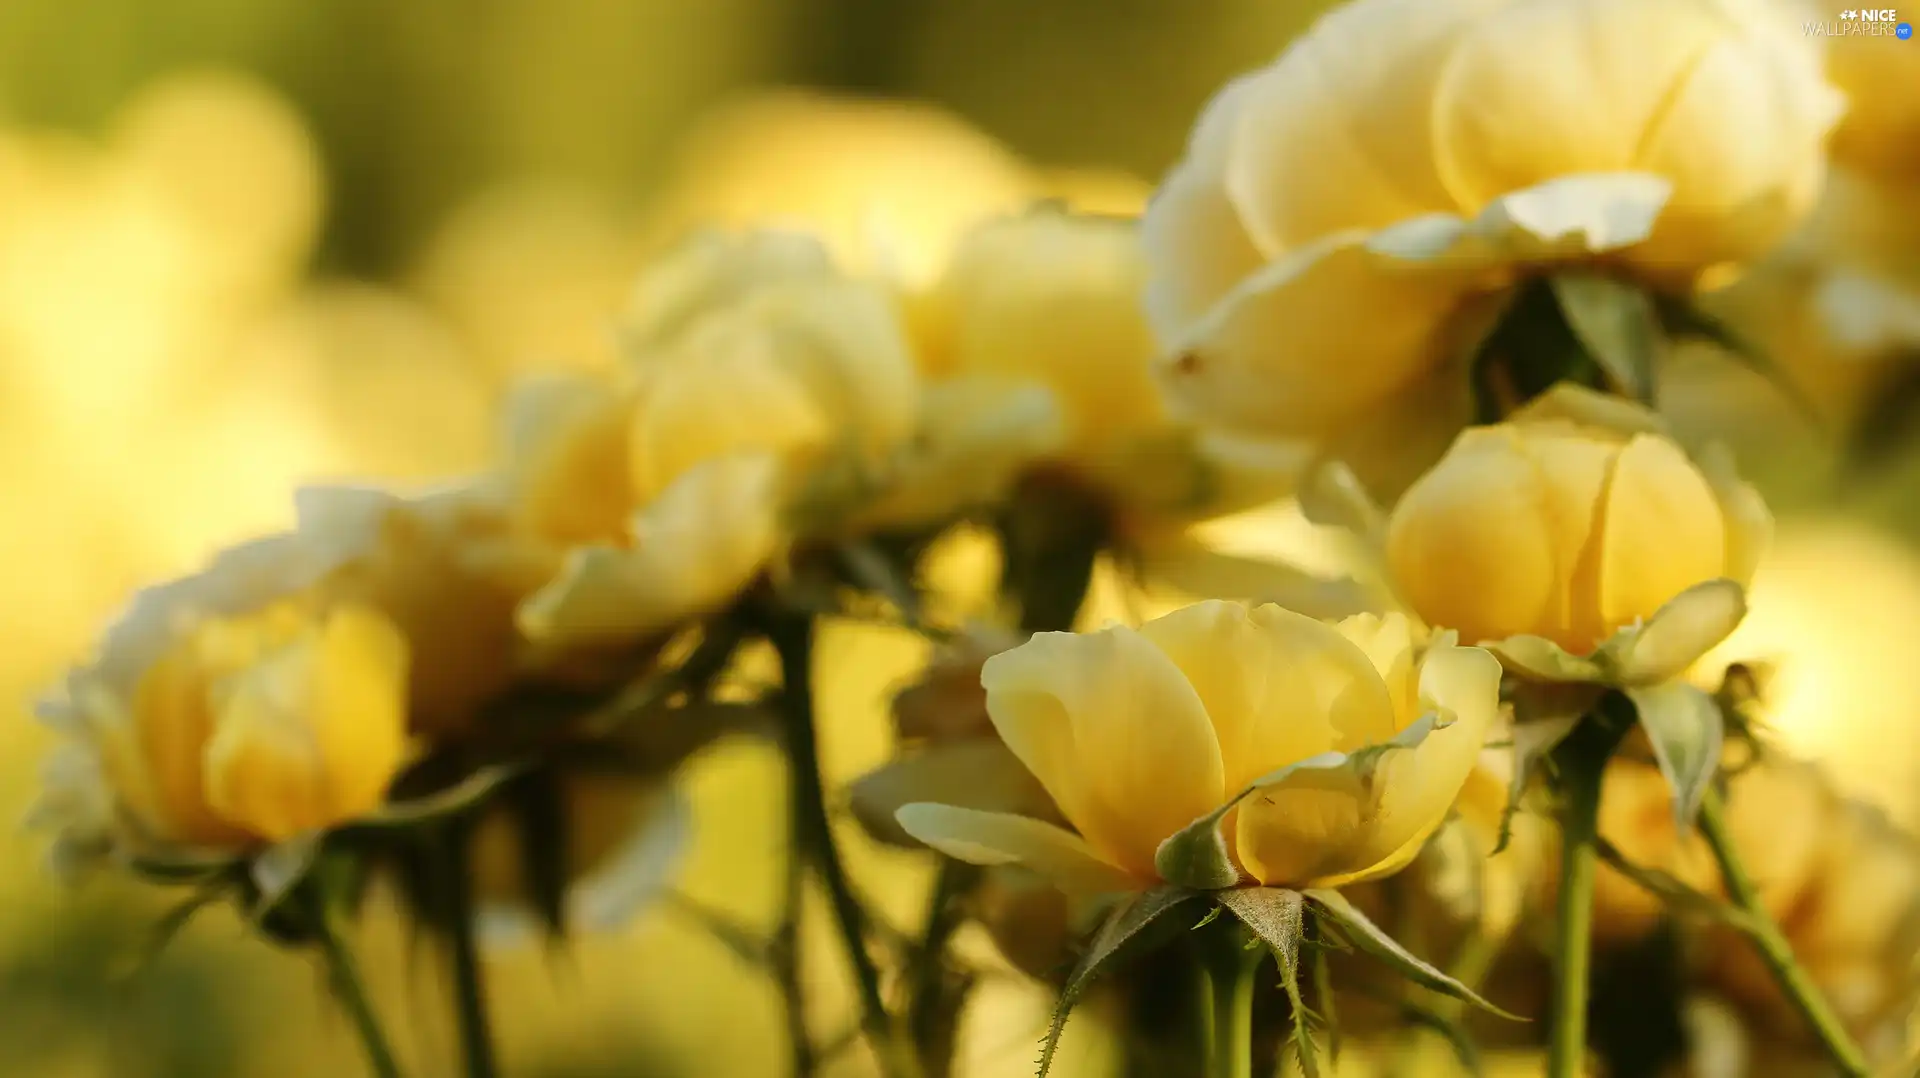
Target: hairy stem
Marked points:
1773	947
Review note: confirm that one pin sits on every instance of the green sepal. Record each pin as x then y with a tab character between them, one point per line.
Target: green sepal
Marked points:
1371	938
1544	716
1687	733
1619	326
1278	917
1685	628
1133	916
1197	856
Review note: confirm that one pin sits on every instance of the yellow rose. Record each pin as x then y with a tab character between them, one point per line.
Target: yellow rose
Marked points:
1570	521
1338	210
226	712
764	394
1136	734
1041	369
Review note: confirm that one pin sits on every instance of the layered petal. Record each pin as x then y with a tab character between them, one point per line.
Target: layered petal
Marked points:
998	838
1114	730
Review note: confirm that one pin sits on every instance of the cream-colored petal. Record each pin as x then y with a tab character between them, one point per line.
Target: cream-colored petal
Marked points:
1742	140
997	838
1558	89
566	458
1417	787
1337	134
978	773
730	394
846	342
1196	246
695	548
1114	730
1279	686
1566	218
1304	828
1474	519
1662	534
1387	641
1259	360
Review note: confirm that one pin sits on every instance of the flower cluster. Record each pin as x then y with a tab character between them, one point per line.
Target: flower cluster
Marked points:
1434	255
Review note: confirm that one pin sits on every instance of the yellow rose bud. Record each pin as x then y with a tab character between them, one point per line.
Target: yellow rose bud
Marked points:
1564	529
1337	210
230	731
1135	734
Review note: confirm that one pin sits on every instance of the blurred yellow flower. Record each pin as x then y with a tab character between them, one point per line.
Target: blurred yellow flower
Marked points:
763	394
888	185
1405	156
228	711
1572	520
1880	134
1843	884
1136	734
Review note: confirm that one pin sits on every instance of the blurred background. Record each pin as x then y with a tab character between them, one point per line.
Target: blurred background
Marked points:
246	244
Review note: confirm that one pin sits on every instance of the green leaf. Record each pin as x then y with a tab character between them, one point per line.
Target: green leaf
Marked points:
1372	939
1197	857
1619	326
1687	732
1276	915
1132	917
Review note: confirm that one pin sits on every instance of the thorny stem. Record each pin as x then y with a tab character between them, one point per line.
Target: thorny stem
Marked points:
1773	947
343	975
792	639
786	957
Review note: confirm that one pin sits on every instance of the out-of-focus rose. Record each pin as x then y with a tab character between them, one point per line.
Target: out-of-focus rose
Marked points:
276	692
1854	927
1774	811
1406	156
1572	520
1880	134
764	394
226	712
1138	733
1843	884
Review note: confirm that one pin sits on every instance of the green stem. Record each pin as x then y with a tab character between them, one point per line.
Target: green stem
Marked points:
343	975
1229	996
469	976
1582	763
1773	947
792	639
